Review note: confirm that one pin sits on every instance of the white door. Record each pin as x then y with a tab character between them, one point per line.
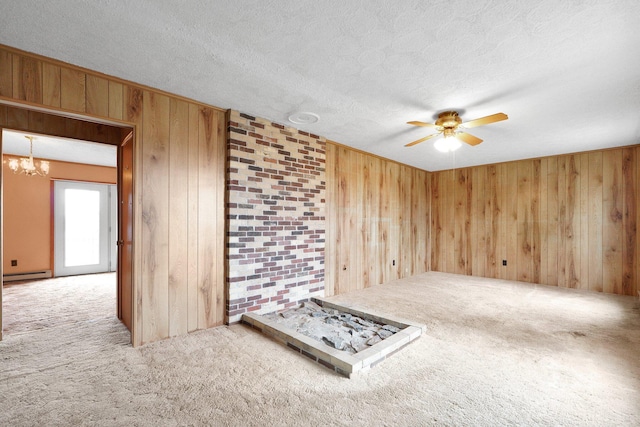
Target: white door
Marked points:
82	242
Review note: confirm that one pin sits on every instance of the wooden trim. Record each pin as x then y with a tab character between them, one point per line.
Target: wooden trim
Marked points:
60	112
52	228
50	123
83	180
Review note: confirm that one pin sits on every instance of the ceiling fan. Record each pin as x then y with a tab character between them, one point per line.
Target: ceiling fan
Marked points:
448	125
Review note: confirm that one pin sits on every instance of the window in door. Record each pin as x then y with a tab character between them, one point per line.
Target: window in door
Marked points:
84	235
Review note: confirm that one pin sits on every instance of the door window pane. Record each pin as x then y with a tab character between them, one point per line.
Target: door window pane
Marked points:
82	227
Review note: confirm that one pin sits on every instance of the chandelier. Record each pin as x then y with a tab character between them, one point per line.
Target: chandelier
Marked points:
27	166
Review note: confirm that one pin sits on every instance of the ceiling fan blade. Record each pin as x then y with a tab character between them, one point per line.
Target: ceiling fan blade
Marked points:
421	140
431	125
485	120
468	138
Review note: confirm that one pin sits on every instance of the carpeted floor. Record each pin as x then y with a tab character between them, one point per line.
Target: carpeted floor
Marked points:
495	353
34	305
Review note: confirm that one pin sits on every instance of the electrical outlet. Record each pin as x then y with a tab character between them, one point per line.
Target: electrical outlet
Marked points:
14	263
504	262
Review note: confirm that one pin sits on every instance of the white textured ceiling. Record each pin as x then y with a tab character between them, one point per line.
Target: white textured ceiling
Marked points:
566	72
14	143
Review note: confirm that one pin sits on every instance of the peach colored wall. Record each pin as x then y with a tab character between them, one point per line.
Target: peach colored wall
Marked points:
27	212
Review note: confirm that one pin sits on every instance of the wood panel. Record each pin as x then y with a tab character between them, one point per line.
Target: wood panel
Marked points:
612	216
510	201
51	85
347	220
217	165
566	221
116	100
193	207
405	216
524	222
492	222
356	273
394	221
423	243
73	90
437	223
629	191
369	230
449	221
535	236
383	254
6	73
595	221
178	217
179	158
572	222
552	222
481	206
562	221
377	213
462	219
207	180
97	96
584	221
27	79
541	243
155	214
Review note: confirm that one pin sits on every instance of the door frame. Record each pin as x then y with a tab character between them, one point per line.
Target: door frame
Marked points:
127	133
125	234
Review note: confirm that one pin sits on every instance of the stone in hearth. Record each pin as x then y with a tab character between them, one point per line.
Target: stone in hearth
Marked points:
342	331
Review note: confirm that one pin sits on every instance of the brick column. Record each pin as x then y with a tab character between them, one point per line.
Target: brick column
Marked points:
276	216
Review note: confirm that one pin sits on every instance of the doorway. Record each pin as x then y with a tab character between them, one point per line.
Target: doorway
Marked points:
104	133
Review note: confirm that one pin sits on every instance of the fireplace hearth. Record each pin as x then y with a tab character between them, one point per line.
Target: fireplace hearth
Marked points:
375	337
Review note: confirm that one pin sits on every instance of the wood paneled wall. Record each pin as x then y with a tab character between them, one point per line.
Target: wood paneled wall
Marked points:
178	183
568	221
377	211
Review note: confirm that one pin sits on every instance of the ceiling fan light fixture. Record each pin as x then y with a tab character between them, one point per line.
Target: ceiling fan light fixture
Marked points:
447	144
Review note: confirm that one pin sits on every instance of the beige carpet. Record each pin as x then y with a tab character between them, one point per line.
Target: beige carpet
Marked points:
495	353
34	305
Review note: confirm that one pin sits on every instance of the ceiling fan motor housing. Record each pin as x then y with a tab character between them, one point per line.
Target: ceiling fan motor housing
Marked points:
448	120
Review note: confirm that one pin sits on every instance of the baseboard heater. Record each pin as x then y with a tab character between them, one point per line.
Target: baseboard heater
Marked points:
27	276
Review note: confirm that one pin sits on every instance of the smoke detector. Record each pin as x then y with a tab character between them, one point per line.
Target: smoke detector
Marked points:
304	118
